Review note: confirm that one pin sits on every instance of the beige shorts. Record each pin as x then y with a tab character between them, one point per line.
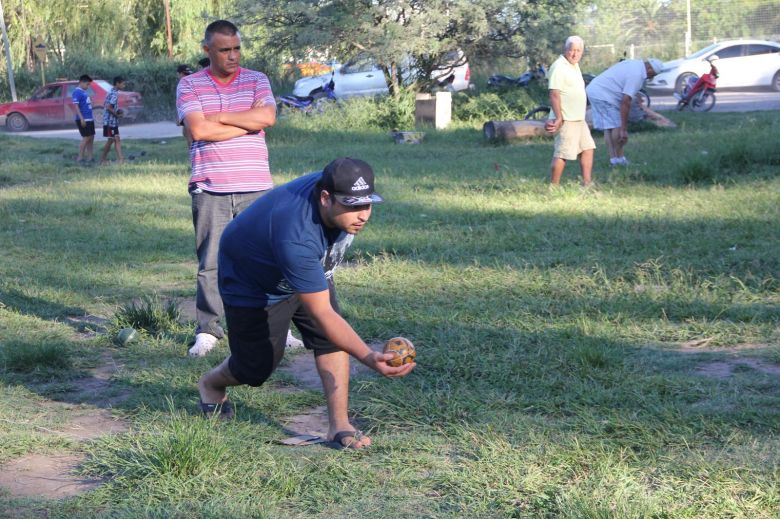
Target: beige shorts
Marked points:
572	139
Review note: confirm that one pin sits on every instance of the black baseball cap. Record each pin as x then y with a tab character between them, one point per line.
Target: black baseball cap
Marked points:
351	182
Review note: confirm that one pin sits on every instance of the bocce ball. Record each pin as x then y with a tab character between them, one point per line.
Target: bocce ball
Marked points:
125	336
403	349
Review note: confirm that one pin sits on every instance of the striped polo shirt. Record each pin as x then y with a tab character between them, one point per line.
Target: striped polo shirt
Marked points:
238	165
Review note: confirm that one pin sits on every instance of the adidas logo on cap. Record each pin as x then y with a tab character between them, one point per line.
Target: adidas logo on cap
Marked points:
360	185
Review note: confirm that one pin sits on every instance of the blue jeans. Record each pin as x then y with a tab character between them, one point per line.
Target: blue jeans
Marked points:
210	215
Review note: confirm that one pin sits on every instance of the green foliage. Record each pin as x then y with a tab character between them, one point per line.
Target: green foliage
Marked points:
396	113
124	30
149	314
484	107
392	30
510	104
380	113
743	155
398	31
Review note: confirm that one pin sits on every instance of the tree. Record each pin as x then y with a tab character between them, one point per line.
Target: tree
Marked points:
416	35
129	29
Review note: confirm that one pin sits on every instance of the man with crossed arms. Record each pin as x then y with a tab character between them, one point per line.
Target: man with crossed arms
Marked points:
225	109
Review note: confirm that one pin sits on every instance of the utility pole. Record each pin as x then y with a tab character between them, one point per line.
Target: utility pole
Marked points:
688	35
7	46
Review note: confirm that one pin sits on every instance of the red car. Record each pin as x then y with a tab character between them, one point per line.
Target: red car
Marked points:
52	104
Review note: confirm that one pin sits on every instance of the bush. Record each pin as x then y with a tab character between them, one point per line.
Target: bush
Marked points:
396	113
149	315
360	113
511	104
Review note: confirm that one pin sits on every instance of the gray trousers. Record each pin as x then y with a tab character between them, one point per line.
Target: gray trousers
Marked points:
210	215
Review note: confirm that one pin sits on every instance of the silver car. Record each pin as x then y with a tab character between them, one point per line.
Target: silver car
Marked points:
363	77
741	64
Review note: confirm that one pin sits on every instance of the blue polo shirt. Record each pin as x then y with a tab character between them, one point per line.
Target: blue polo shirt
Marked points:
82	100
278	246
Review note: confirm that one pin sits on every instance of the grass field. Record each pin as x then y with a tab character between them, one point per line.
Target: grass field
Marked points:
598	353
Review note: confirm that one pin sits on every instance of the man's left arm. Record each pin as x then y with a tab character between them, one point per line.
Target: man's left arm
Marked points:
625	108
259	117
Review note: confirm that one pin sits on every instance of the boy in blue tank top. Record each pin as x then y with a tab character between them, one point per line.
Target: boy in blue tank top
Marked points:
85	121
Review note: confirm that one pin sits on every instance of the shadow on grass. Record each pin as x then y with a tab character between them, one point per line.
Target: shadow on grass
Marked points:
36	306
100	253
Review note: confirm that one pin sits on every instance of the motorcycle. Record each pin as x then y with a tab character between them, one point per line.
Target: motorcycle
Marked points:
316	101
523	80
699	92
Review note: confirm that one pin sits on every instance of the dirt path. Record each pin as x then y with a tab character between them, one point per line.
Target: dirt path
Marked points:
54	476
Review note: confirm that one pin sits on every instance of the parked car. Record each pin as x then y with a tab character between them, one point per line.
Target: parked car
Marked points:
51	104
363	77
741	63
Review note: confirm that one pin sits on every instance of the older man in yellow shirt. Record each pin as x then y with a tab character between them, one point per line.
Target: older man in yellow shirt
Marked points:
567	117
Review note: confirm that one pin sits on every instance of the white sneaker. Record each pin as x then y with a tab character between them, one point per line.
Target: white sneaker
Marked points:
618	161
292	342
204	343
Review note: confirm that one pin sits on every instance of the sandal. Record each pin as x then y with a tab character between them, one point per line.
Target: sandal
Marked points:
225	410
338	440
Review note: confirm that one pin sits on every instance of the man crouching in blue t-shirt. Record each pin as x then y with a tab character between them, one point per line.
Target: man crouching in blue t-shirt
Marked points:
276	263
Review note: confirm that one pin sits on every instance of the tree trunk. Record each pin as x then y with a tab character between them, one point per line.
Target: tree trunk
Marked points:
508	130
168	31
391	78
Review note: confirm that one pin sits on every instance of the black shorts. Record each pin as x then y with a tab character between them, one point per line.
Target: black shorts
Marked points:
87	130
257	336
110	131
